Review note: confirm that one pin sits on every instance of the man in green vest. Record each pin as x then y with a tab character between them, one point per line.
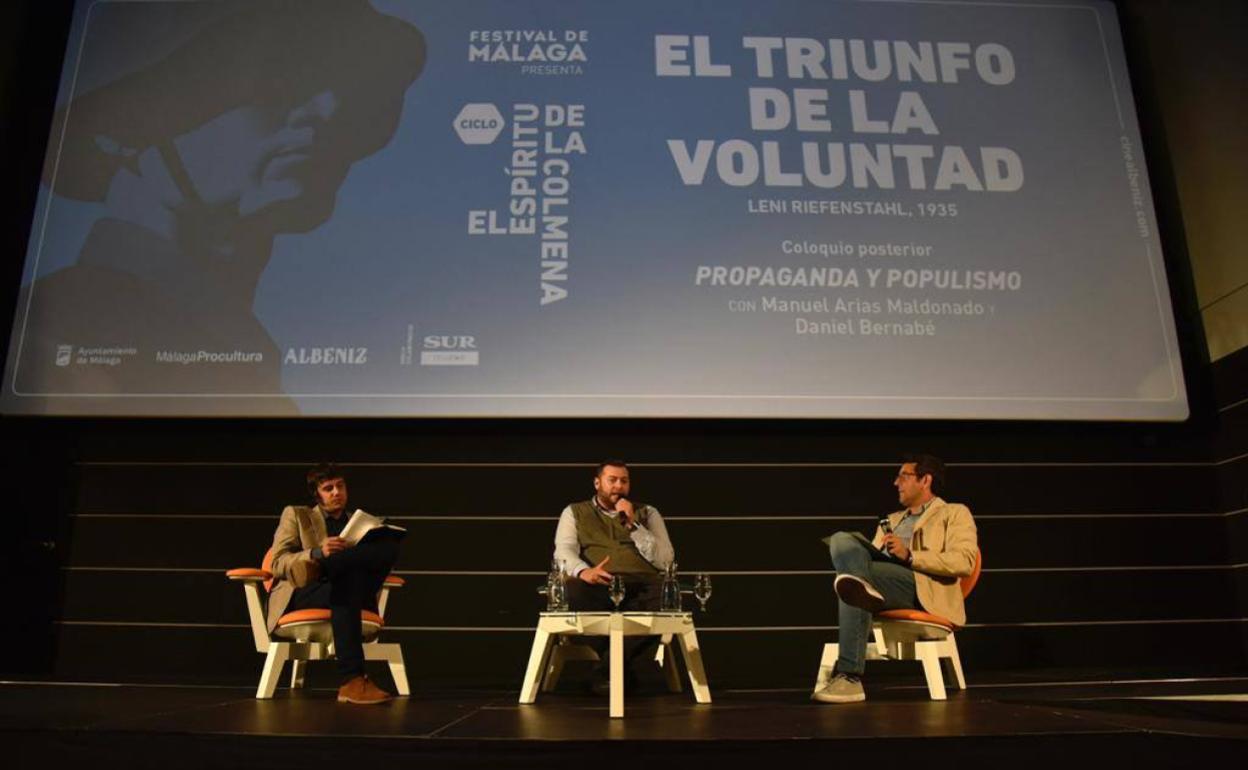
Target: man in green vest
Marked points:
607	535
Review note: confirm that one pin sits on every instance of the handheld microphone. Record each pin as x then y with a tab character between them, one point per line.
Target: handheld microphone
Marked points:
887	529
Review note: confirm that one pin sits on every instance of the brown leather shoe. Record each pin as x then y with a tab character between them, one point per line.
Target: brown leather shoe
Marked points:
361	690
304	572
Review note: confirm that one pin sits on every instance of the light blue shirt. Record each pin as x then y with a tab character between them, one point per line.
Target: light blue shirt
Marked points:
905	527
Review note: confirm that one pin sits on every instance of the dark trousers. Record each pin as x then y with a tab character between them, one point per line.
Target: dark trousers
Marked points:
641	594
349	584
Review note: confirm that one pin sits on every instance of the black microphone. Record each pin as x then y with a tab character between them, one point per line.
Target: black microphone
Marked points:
887	529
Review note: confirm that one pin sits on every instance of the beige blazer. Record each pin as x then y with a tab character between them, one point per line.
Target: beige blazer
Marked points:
299	531
944	547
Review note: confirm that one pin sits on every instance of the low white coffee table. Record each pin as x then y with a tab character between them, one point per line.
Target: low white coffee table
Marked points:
669	626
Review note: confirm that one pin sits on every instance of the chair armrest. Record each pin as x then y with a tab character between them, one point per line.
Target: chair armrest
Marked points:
254	588
391	583
249	573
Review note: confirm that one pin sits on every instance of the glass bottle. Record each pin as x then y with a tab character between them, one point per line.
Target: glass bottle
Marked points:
556	594
670	599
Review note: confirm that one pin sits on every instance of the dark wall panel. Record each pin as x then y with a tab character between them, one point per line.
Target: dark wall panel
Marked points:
740	601
1103	535
747	488
1232	467
703	544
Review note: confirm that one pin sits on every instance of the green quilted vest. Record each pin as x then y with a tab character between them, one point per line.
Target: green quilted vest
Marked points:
602	536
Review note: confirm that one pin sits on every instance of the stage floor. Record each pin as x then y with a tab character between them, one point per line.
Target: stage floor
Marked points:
1158	721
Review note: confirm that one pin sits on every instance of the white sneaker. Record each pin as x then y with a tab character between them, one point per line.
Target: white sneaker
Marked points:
842	688
857	592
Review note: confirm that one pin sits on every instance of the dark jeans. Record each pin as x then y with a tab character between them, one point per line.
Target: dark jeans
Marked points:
349	584
641	594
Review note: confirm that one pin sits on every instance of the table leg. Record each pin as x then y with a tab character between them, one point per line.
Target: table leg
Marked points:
693	662
617	665
542	641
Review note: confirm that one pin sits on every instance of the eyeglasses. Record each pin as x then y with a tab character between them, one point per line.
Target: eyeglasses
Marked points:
905	473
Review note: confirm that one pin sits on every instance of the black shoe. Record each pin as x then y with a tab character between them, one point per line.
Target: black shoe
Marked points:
600	681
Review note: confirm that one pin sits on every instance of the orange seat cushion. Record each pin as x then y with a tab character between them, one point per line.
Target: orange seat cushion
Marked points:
322	616
394	581
915	616
249	572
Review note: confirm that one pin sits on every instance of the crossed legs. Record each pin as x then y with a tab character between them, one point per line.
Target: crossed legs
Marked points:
852	555
350	582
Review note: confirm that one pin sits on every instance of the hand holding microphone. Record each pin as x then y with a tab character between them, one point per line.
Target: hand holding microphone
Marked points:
887	529
892	544
627	513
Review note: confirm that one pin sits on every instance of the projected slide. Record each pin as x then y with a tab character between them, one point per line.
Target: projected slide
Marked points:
661	208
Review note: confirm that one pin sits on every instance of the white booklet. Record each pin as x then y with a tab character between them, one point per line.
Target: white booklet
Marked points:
361	524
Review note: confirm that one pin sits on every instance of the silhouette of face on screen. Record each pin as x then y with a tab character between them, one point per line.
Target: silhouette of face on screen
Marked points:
279	162
205	129
252	110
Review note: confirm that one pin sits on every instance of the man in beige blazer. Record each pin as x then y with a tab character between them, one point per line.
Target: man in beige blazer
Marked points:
314	568
914	561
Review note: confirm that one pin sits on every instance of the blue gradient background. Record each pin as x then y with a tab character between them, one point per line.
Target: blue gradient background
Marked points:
1090	336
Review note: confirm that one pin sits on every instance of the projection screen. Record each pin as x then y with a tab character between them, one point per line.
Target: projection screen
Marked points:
661	208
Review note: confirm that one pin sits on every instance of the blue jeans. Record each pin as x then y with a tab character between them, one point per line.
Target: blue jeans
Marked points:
854	556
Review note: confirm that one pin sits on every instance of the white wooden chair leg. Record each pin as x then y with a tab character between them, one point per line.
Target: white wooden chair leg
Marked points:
692	653
930	655
831	651
298	668
398	672
537	662
617	666
955	662
392	654
273	663
897	642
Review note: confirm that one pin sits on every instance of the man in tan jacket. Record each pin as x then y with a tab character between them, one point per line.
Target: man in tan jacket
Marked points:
314	568
914	561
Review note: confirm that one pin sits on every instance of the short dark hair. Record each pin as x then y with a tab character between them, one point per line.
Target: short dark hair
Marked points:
320	473
609	461
928	465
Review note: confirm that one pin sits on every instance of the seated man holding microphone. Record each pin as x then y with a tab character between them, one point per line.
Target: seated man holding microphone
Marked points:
914	561
611	535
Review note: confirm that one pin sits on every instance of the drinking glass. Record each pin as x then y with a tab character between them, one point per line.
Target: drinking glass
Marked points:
702	589
617	591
